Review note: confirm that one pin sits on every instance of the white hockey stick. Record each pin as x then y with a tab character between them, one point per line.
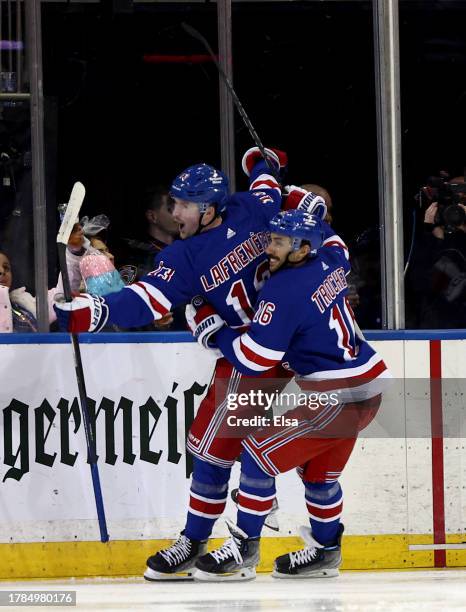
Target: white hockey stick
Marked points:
71	213
70	218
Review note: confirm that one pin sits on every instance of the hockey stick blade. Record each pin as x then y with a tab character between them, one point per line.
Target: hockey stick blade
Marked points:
239	107
72	212
271	521
70	218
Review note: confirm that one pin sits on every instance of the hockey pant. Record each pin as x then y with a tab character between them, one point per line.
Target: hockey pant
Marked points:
210	437
316	444
216	446
319	461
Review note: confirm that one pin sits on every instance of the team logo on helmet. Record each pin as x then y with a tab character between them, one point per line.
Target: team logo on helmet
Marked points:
203	185
299	225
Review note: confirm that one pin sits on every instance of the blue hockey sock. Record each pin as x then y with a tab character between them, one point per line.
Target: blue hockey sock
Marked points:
208	497
255	496
324	502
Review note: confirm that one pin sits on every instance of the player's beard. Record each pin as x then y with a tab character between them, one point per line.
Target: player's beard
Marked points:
273	260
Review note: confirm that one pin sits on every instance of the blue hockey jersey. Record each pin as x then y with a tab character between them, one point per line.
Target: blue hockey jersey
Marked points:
303	319
226	265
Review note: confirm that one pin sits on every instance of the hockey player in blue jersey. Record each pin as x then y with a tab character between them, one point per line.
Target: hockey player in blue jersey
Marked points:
302	318
221	257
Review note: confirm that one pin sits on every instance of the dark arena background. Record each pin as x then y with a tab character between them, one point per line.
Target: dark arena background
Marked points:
303	70
127	106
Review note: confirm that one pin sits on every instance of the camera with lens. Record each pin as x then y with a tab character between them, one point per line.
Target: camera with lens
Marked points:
448	195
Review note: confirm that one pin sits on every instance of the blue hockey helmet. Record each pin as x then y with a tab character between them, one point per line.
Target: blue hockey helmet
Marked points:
299	225
203	185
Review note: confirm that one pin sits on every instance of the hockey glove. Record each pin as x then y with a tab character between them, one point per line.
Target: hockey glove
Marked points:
203	320
300	199
85	313
253	156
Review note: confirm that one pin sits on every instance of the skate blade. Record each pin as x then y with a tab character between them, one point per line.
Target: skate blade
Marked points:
326	573
272	522
154	576
247	573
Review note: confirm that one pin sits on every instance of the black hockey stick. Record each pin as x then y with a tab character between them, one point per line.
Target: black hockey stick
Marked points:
240	108
70	218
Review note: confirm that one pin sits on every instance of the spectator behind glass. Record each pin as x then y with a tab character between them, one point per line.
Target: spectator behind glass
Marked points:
86	240
437	276
95	230
17	306
100	245
78	246
96	265
138	255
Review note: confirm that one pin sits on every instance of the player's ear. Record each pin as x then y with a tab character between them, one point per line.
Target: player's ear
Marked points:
300	254
305	249
151	215
208	215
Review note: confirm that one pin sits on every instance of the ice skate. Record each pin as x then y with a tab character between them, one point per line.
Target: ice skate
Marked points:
177	561
235	561
313	561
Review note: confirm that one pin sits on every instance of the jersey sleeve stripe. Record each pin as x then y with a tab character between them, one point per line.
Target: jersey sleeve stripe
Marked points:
144	297
244	360
156	309
351	382
363	371
156	294
264	181
335	240
254	357
261	350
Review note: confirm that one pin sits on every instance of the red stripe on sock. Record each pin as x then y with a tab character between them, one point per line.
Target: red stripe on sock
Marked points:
325	512
213	507
254	504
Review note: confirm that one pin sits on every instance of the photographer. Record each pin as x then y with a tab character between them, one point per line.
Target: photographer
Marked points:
438	275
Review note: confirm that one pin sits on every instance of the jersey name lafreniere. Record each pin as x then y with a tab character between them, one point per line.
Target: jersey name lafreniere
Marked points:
235	260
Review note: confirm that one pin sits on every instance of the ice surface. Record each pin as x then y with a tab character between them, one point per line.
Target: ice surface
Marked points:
383	591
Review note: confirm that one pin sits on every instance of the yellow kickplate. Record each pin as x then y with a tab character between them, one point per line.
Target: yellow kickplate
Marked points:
128	557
